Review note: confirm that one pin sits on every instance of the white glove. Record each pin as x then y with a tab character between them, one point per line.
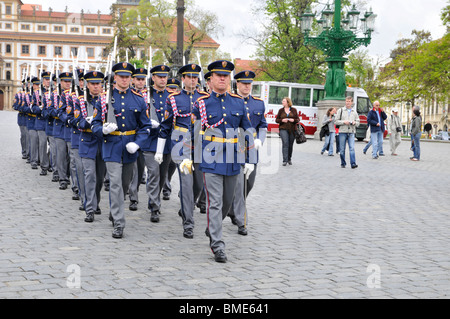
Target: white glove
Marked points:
159	158
155	124
89	119
109	128
248	169
258	144
132	147
186	166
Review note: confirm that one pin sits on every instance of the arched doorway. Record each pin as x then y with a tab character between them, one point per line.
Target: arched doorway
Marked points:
2	100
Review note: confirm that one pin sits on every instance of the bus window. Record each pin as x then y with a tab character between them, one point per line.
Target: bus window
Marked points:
363	105
301	96
256	90
350	93
277	93
318	95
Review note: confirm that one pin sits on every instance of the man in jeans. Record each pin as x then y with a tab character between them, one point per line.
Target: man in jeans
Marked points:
348	120
375	119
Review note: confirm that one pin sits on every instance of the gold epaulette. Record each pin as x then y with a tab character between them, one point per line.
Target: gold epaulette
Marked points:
174	93
204	97
235	95
257	98
136	93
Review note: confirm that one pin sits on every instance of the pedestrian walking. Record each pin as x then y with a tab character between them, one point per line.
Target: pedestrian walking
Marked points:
348	120
328	120
416	133
376	118
395	131
287	118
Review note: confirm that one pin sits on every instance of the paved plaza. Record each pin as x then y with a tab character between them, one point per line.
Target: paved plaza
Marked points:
315	230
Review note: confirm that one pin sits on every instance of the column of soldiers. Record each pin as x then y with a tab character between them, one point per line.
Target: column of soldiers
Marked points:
133	121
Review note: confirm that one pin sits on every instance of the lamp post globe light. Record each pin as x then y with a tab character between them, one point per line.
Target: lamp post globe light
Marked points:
336	39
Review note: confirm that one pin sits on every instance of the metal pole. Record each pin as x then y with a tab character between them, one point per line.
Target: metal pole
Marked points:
180	32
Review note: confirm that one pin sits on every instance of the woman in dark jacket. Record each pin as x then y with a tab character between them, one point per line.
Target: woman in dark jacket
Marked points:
287	118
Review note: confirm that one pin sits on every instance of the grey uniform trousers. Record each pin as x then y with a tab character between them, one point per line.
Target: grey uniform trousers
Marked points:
24	140
138	172
156	175
191	185
239	209
34	146
120	176
42	149
219	199
73	168
62	160
52	158
94	171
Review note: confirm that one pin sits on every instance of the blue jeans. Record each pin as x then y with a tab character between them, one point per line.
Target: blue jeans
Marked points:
416	147
377	143
328	145
349	138
287	141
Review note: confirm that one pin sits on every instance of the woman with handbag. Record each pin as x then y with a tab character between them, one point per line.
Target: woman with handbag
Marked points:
287	118
395	131
328	122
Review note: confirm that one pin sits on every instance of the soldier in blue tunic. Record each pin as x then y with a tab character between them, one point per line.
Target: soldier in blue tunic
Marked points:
31	123
123	125
224	123
21	120
178	127
256	109
90	145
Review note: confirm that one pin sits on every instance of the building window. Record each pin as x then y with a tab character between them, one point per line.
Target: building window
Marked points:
8	26
7	65
74	51
90	52
8	75
8	10
90	30
25	27
74	29
42	28
106	31
8	48
58	28
58	50
25	49
41	50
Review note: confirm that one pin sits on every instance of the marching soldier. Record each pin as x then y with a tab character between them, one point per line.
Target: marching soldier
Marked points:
75	159
90	146
31	124
221	115
49	120
21	120
139	76
256	109
156	173
123	125
178	126
60	115
39	102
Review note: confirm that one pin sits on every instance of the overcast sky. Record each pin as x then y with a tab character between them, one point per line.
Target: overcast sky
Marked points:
395	20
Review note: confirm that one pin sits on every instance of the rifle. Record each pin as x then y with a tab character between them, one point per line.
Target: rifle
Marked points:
202	75
58	80
50	88
76	80
111	118
41	82
152	112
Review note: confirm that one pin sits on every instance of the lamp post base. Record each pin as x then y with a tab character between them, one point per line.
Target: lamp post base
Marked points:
322	108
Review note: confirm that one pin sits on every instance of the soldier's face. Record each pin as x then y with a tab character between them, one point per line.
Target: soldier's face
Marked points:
35	87
139	83
94	88
244	88
159	82
66	85
122	82
46	83
190	82
220	82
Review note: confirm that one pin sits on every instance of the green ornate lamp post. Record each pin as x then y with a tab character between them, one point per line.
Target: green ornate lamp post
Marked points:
336	40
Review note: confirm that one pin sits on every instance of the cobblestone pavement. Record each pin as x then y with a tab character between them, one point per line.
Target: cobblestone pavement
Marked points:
315	231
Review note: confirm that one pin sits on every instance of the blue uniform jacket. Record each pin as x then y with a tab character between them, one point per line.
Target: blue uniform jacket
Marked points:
75	133
21	117
222	157
89	142
58	125
65	107
45	113
159	101
178	132
130	112
27	105
372	119
40	120
256	109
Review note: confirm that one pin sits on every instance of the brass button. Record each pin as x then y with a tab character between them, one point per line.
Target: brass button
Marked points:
123	125
123	97
123	117
123	110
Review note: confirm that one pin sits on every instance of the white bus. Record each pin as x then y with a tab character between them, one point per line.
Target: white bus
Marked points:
304	98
